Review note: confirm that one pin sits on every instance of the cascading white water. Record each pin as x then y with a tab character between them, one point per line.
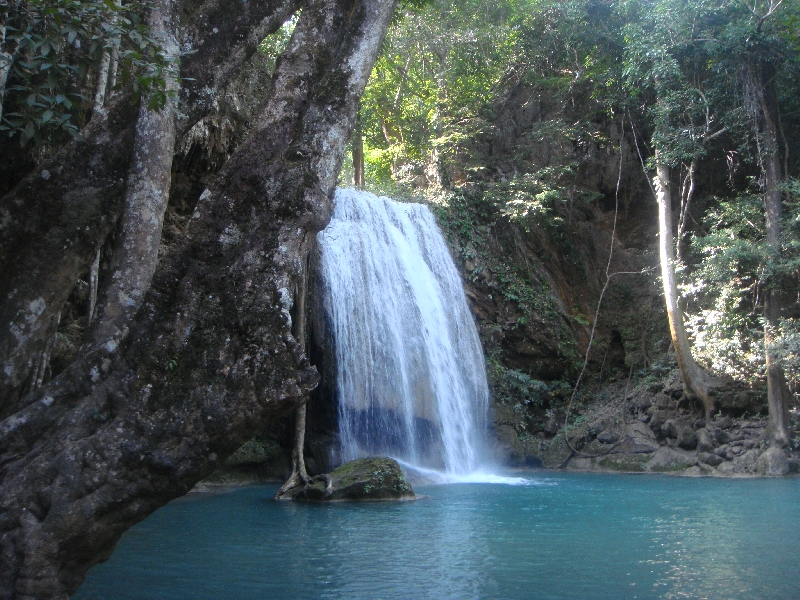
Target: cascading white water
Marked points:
411	381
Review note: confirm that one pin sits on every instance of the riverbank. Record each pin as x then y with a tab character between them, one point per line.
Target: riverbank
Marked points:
656	429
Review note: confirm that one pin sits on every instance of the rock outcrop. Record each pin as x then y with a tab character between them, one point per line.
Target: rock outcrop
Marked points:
362	479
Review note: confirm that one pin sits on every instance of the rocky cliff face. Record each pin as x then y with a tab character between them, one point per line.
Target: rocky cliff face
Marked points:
534	282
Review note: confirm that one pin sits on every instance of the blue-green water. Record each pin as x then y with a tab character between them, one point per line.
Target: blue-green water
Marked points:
562	536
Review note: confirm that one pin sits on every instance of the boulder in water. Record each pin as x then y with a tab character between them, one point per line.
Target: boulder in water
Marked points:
377	478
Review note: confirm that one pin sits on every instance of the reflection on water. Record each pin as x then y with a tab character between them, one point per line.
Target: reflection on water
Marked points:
571	536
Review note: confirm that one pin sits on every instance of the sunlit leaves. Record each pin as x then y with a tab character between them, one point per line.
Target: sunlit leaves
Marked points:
56	45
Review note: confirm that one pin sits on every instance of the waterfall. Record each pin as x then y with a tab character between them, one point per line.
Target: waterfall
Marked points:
410	374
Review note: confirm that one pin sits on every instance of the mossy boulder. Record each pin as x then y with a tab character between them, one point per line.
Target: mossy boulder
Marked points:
377	478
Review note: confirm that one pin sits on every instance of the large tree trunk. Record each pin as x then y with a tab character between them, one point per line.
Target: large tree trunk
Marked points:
54	220
697	382
135	253
211	354
52	224
777	390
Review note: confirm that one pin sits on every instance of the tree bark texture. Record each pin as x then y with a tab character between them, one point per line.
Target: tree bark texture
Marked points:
358	155
51	225
697	381
6	59
211	353
135	254
777	390
55	219
102	83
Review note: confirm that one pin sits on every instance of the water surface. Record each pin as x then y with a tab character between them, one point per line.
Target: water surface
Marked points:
559	536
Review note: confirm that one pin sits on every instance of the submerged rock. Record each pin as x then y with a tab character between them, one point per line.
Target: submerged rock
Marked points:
377	478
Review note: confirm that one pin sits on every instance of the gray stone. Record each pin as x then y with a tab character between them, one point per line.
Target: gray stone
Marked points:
659	416
704	441
710	459
640	430
720	435
694	471
670	459
607	437
643	402
662	401
669	429
773	463
687	438
749	460
726	468
722	423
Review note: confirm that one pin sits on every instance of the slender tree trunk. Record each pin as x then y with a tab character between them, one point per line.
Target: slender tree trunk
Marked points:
113	66
776	381
211	355
687	193
135	254
697	381
102	82
94	277
358	155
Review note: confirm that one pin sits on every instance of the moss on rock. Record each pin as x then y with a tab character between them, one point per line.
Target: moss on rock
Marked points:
376	478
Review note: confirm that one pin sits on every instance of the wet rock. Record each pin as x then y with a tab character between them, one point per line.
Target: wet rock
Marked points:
362	479
749	460
704	441
710	459
699	423
687	438
694	471
670	459
773	463
726	468
508	449
534	462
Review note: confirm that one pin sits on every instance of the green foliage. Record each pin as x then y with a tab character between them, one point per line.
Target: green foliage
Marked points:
515	387
733	268
273	45
55	44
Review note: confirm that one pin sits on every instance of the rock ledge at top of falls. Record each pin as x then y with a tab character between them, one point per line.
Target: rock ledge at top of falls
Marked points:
376	478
